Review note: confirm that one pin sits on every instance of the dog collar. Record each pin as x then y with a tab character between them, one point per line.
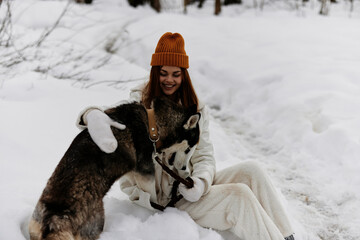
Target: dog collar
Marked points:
153	131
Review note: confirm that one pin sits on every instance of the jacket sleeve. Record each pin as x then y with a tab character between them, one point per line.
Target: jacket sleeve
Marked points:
129	186
203	161
81	123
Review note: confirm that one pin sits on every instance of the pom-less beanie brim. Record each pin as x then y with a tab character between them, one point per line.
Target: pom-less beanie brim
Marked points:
170	59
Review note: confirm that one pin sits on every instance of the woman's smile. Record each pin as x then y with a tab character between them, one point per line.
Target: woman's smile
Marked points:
168	86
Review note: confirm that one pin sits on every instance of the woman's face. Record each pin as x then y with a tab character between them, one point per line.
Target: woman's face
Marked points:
170	79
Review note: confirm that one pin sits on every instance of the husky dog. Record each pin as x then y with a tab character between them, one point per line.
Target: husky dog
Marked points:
71	205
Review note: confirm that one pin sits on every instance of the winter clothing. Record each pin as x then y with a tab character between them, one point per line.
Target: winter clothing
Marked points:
202	165
193	194
170	51
99	126
142	190
240	199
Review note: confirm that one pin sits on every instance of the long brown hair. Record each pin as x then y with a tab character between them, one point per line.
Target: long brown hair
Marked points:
185	94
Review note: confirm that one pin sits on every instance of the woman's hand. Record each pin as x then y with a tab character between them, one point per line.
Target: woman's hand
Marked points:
193	194
99	126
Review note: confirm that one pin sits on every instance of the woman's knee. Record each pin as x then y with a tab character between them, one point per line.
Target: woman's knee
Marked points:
248	167
241	191
245	172
254	170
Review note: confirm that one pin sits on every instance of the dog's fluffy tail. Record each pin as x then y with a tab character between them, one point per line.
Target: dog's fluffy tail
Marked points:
60	236
34	230
54	228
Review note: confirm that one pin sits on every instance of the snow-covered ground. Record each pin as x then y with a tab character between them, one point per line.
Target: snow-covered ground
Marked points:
283	89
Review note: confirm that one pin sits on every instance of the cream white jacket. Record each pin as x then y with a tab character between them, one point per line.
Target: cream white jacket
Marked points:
142	190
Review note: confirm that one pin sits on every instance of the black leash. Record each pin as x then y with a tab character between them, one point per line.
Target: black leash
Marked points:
174	198
188	182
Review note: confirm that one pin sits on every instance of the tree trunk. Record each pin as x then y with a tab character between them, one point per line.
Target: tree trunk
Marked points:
324	10
217	7
155	4
201	2
186	2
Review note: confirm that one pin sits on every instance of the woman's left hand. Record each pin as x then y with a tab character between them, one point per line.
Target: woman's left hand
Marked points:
193	194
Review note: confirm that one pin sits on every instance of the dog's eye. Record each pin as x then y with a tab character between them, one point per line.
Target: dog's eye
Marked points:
187	150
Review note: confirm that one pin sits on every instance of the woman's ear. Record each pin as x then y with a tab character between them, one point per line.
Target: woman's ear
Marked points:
192	121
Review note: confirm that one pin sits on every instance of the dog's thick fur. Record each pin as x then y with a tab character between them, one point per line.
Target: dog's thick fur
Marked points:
71	205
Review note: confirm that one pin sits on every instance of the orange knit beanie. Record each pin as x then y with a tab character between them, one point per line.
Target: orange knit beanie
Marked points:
170	51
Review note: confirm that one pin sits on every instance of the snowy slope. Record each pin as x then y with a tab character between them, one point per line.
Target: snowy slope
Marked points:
283	88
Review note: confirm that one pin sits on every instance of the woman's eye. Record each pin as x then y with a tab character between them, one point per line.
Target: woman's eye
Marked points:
163	74
176	76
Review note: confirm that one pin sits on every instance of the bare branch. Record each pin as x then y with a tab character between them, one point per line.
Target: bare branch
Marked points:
6	27
48	32
114	82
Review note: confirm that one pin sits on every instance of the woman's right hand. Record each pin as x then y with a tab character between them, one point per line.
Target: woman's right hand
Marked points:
99	126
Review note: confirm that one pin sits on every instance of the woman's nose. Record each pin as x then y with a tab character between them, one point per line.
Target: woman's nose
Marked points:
169	79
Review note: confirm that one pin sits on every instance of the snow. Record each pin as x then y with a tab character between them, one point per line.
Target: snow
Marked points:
282	86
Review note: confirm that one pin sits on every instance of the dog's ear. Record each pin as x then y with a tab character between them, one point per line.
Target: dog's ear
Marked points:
192	121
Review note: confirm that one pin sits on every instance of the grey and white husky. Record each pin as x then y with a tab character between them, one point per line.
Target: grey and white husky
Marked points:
71	205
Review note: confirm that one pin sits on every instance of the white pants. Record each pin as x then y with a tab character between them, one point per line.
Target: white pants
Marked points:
242	199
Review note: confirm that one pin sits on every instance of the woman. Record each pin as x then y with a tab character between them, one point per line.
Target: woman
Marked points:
241	198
